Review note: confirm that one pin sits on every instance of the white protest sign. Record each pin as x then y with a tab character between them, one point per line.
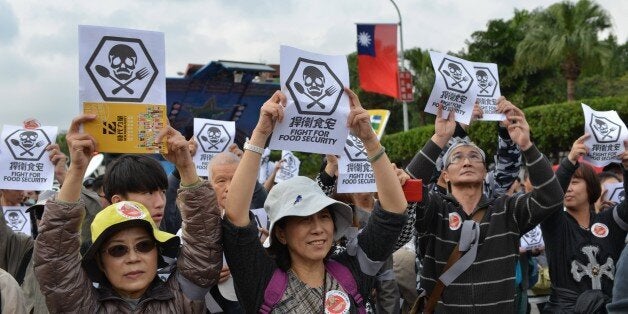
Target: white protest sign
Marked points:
354	170
608	133
316	112
487	80
121	65
289	168
18	219
532	240
24	162
615	192
213	137
265	166
454	86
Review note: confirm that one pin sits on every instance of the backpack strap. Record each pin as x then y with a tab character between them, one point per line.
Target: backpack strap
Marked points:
346	280
21	271
274	290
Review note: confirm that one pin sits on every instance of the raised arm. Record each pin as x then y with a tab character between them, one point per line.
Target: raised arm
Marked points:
57	245
389	190
240	193
200	260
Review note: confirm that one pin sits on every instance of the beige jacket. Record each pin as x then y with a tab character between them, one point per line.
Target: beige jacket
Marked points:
68	289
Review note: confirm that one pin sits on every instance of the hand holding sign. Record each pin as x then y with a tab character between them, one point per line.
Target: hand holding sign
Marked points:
81	145
178	153
271	113
516	123
578	149
443	128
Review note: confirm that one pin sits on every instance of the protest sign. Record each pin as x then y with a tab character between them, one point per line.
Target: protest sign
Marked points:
24	162
213	137
615	192
487	79
454	86
354	170
289	168
18	219
317	107
266	166
379	120
126	128
532	240
608	133
121	65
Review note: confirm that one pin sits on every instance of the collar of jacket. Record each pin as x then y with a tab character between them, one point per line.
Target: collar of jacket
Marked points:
484	202
156	291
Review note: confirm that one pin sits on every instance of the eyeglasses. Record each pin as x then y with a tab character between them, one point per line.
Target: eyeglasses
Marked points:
119	250
474	157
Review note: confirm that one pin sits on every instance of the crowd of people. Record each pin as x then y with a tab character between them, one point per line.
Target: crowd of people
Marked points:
138	240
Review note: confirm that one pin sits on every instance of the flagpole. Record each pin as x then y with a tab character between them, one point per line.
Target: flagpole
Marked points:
405	105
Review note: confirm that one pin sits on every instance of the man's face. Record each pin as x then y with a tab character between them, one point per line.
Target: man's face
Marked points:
12	197
154	201
221	179
466	167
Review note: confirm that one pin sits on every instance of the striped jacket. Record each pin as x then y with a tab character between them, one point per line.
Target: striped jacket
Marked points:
488	285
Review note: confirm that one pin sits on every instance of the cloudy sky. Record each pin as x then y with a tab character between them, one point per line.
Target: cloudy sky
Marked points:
39	41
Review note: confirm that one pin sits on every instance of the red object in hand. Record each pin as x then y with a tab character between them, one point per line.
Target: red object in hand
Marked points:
413	190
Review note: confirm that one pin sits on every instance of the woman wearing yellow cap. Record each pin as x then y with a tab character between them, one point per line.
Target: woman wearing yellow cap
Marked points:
127	247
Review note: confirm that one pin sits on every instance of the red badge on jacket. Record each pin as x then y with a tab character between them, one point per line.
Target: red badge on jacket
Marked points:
455	221
599	230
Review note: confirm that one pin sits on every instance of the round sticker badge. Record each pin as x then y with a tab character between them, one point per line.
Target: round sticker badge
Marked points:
455	221
599	230
130	211
336	302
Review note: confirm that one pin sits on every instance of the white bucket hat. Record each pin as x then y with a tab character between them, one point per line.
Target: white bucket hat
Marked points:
300	196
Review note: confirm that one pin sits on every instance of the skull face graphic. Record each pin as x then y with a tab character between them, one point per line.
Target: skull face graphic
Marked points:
357	142
455	71
482	78
214	134
122	60
314	80
28	138
14	219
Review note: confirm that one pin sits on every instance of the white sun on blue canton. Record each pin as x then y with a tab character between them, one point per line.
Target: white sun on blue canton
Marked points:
364	39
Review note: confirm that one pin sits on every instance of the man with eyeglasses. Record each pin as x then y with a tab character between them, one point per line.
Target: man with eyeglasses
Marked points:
468	242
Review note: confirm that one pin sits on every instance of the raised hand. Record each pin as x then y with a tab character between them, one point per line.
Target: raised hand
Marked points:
578	149
516	123
359	121
58	159
271	112
179	153
443	128
81	145
331	168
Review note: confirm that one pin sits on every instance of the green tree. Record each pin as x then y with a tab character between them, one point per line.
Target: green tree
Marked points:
565	34
420	65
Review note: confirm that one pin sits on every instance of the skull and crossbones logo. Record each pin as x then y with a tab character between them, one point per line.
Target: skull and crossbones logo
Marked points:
455	72
122	62
483	81
27	141
314	82
602	128
214	137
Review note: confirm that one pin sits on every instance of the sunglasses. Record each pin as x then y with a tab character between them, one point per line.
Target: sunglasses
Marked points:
142	247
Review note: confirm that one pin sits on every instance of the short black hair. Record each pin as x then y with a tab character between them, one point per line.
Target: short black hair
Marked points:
133	174
98	183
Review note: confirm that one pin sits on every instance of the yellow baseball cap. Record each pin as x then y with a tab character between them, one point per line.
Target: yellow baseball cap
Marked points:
120	216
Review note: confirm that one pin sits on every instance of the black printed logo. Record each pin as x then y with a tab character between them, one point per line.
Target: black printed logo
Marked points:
457	77
121	69
213	138
314	87
27	144
604	130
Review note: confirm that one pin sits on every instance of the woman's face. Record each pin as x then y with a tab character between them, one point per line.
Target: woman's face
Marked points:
310	238
604	194
131	273
576	195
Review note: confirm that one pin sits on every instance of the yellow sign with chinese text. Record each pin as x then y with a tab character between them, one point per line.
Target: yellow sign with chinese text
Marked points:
126	128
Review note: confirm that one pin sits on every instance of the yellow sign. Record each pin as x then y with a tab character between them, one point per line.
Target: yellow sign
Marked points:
126	128
379	119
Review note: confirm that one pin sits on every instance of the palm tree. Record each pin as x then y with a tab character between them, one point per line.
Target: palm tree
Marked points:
565	34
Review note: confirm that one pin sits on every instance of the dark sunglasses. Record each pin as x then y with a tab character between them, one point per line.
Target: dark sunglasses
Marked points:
142	247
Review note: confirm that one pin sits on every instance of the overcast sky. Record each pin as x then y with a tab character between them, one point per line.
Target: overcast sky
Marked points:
39	40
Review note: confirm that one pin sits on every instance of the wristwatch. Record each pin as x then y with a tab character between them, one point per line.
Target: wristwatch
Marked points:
253	148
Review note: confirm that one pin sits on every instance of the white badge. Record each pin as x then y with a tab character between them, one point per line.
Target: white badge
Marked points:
455	221
599	230
337	302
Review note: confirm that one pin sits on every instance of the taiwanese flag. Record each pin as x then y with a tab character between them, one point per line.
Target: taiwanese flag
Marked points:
377	58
